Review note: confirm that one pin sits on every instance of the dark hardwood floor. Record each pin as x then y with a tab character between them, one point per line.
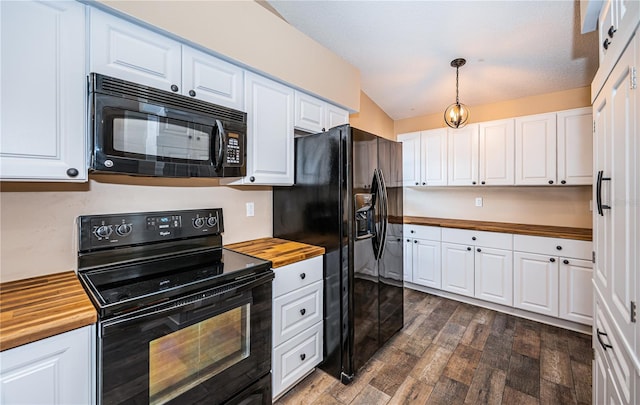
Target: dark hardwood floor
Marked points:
454	353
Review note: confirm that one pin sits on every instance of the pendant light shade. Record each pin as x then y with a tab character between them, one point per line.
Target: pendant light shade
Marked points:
457	114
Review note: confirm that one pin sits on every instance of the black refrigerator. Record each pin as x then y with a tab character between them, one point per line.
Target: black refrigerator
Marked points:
347	198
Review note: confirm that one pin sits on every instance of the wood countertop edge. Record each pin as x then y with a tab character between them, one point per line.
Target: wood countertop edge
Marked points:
280	252
549	231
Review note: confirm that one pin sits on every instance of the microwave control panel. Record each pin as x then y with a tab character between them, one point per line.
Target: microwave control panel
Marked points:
233	150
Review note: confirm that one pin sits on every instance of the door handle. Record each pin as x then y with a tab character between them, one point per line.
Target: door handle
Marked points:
602	343
599	204
222	139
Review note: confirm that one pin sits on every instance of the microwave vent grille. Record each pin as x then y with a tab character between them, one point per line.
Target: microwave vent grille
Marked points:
152	95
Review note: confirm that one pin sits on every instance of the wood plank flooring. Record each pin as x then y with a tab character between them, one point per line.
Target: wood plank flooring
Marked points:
454	353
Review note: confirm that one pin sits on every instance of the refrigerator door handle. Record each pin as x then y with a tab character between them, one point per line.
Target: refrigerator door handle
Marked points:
385	211
376	192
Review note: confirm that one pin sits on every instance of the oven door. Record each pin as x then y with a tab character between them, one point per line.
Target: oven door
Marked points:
204	348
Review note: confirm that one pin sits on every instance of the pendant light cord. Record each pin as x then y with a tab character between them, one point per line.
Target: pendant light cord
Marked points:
457	100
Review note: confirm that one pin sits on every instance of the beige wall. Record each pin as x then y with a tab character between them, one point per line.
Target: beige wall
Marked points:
248	33
37	220
557	101
372	118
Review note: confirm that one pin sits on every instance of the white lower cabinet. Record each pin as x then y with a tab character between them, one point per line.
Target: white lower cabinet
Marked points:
56	370
576	303
535	283
422	263
297	322
494	275
457	269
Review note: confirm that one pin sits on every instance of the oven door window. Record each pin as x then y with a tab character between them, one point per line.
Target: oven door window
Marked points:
185	358
138	134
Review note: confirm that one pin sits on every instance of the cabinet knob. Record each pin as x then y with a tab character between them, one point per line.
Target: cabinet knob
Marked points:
473	238
72	172
558	247
424	183
606	43
323	129
413	231
468	248
415	241
417	184
563	182
612	30
482	182
252	179
174	88
565	261
550	181
303	276
398	240
192	93
303	356
408	240
552	260
473	182
479	250
303	311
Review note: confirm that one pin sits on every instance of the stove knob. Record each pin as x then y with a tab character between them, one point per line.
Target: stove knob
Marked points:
124	229
103	231
212	221
198	222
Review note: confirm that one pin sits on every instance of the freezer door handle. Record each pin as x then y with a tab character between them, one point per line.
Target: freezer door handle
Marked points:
385	211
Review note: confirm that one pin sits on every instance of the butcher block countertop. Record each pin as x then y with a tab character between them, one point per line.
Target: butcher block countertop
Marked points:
505	227
281	252
41	307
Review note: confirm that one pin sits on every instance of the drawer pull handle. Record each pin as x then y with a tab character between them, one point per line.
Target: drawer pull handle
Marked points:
415	241
303	275
303	356
479	250
468	248
552	260
602	343
303	311
565	261
473	238
559	247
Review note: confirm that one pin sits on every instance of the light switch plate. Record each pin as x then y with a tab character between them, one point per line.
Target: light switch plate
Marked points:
250	209
478	201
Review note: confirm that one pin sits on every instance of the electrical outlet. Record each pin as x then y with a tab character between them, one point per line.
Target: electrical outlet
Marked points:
250	209
591	205
478	201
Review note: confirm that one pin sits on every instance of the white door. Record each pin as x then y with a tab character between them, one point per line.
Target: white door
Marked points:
43	89
536	149
457	269
310	113
269	131
535	283
426	263
497	151
208	78
575	146
494	275
410	159
576	292
335	116
463	156
433	151
407	260
127	51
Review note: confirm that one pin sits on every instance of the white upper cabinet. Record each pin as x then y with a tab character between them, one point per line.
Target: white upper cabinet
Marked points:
411	165
497	139
424	158
127	51
121	49
536	149
314	115
43	88
575	146
463	156
212	79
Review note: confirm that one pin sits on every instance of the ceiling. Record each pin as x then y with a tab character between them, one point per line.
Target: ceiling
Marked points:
403	49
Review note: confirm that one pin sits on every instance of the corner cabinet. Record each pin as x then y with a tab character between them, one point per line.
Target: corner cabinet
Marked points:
297	322
269	107
43	91
53	371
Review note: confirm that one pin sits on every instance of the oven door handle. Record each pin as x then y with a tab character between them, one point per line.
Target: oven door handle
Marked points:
234	287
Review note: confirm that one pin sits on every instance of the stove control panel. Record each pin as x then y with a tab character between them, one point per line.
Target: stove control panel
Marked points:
97	231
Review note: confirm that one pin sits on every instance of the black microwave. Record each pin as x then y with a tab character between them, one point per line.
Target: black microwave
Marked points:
140	130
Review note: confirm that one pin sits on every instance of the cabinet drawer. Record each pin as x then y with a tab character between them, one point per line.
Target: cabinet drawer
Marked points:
578	249
478	238
296	357
296	311
422	232
296	275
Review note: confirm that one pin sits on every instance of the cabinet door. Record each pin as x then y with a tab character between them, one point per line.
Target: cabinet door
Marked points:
433	150
494	275
536	149
51	371
127	51
407	260
335	116
43	90
497	150
208	78
575	146
310	113
535	283
426	263
576	292
599	375
457	269
410	159
463	156
269	131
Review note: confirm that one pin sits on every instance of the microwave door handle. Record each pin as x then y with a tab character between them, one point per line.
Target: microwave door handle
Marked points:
222	136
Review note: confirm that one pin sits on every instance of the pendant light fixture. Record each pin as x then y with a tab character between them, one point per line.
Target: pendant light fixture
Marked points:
457	115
